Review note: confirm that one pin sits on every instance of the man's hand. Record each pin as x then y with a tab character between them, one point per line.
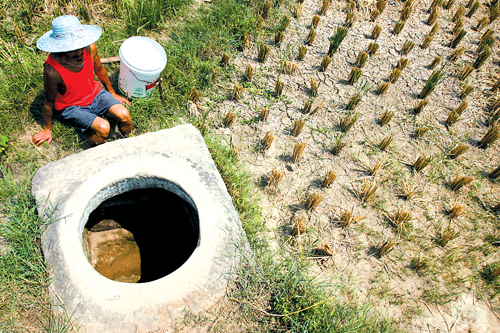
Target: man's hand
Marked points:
43	135
121	99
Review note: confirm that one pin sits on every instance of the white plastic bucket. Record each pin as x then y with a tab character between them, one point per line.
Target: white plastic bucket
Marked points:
141	62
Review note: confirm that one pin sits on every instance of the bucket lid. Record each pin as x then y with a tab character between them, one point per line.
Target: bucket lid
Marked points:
142	54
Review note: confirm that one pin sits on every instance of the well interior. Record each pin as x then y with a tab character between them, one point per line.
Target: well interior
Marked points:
141	235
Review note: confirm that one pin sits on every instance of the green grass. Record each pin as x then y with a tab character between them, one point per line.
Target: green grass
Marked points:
194	45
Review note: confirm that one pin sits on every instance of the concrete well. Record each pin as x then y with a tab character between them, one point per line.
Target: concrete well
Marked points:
173	167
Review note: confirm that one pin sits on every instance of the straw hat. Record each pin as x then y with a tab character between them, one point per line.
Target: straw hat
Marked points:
68	34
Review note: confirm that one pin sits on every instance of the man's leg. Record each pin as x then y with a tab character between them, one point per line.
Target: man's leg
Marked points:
120	113
101	129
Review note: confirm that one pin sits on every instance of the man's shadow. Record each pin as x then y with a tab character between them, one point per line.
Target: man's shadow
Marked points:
36	110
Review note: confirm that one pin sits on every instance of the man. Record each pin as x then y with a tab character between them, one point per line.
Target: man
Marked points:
70	89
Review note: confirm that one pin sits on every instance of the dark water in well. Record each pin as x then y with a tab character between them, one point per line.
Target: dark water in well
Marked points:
165	227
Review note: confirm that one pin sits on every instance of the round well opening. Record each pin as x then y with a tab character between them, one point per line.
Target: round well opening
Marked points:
138	235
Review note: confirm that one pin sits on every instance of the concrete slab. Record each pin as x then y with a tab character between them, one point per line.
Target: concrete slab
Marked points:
176	160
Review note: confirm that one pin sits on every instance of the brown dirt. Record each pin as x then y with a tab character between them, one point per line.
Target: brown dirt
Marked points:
455	269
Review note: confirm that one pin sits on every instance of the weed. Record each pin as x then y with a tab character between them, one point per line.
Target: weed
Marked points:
225	60
494	12
405	13
329	179
495	117
245	41
435	62
466	91
407	47
313	200
473	8
400	218
482	23
298	125
249	72
402	63
385	248
263	52
482	57
491	272
455	211
229	119
382	88
381	4
367	192
419	106
458	26
311	36
302	52
449	5
374	14
260	22
494	174
384	144
278	88
237	92
298	151
324	7
446	236
297	10
298	227
458	150
457	38
427	41
264	114
386	117
433	16
315	21
496	85
354	75
434	5
456	54
308	105
490	137
346	219
278	38
339	146
325	62
395	74
459	13
337	39
314	86
348	122
285	22
434	79
372	168
350	19
267	140
361	59
266	8
420	132
421	163
291	68
466	72
372	49
376	32
460	181
420	265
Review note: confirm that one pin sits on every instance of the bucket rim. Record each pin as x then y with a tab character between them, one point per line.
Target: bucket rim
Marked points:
137	70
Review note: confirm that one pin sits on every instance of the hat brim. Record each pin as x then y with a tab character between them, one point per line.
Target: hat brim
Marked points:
89	34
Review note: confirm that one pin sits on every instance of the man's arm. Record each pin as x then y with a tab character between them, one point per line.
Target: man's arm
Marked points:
51	78
102	75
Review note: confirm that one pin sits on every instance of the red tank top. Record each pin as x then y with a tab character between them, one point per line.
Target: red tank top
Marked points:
81	89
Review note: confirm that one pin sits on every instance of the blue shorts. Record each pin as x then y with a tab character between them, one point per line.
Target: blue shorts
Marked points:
83	116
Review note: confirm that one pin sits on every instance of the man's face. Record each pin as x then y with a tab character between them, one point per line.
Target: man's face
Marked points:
74	58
